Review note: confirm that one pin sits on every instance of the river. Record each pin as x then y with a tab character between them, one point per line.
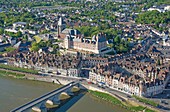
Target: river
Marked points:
15	92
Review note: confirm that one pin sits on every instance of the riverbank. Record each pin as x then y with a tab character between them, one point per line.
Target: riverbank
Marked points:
146	101
63	81
126	104
11	74
18	69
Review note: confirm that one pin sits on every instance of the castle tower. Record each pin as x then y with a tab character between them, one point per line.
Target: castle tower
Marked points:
67	42
61	25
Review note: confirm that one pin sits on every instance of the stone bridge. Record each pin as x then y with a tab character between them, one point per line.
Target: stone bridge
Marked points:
52	98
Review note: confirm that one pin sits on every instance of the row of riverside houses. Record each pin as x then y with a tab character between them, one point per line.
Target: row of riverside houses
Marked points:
148	78
155	76
67	64
62	65
138	75
131	84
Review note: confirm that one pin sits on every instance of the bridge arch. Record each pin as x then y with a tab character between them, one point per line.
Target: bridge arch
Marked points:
75	88
53	97
41	107
55	100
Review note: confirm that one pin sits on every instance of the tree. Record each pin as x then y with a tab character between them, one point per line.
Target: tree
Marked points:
10	49
49	43
55	47
42	44
19	34
154	17
34	46
27	26
25	38
1	31
117	39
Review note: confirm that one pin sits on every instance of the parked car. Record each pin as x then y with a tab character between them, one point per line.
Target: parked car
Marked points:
103	87
164	102
128	96
159	106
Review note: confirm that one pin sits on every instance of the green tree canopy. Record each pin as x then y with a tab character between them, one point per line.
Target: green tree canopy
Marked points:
1	31
117	39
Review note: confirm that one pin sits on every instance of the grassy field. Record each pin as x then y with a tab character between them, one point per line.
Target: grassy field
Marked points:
16	75
18	69
146	101
127	105
37	38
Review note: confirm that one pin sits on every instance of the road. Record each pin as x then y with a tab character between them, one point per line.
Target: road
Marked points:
163	99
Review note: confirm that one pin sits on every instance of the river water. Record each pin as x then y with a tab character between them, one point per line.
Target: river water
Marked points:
15	92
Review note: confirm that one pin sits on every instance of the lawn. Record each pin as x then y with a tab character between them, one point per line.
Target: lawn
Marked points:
18	69
115	101
17	75
37	38
146	101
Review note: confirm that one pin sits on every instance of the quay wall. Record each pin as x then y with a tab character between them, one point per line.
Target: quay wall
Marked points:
89	87
51	80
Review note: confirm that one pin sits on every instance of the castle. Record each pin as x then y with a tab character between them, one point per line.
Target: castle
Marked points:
74	40
96	45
